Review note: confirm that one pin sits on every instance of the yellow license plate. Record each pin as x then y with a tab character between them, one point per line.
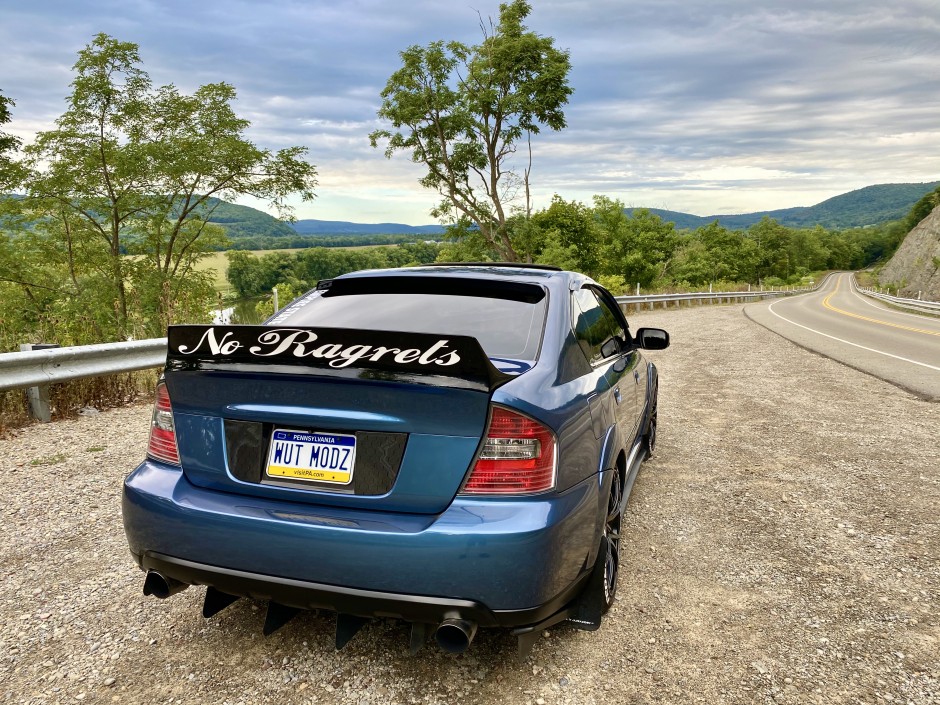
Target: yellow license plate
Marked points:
313	456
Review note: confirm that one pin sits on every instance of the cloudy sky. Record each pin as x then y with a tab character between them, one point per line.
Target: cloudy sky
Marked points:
724	106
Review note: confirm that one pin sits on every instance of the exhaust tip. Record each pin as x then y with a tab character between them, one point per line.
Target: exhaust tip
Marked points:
454	635
160	586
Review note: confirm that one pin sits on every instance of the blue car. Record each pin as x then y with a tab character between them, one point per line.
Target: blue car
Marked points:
450	445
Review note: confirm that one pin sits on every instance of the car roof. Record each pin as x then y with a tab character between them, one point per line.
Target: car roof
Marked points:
478	270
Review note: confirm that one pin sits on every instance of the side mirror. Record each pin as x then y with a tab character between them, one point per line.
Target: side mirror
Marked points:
652	339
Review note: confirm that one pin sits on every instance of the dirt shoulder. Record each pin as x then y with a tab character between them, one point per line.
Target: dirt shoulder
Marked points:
782	547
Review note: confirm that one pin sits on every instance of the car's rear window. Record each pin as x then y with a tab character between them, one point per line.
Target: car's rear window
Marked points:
505	327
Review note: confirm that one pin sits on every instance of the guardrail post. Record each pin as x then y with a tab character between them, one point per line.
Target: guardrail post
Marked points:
38	397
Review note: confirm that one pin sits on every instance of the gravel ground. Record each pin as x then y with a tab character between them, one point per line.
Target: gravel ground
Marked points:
782	547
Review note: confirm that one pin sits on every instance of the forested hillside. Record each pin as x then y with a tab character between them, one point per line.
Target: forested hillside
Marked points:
872	205
244	221
342	227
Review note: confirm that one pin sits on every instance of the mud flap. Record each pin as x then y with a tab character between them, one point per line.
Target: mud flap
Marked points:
589	607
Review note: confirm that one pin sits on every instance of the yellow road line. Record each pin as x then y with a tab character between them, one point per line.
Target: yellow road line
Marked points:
866	318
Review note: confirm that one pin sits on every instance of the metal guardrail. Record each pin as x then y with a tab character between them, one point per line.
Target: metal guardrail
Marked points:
35	368
910	304
703	296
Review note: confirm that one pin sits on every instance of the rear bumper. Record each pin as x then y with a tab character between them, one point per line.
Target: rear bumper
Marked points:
366	603
498	562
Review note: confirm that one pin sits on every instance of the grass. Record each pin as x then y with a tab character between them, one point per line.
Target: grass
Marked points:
48	460
218	265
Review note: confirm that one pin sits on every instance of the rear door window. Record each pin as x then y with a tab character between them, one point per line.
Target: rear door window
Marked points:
594	323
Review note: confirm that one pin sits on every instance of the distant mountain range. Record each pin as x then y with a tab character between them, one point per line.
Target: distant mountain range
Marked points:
871	205
342	227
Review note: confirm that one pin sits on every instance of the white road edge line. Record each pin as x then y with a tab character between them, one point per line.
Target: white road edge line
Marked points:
854	345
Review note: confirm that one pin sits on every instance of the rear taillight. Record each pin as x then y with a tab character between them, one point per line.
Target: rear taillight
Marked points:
518	457
162	444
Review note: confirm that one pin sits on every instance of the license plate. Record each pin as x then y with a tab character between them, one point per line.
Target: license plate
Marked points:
306	455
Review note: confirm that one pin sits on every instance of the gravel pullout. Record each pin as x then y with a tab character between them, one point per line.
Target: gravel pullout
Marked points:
782	547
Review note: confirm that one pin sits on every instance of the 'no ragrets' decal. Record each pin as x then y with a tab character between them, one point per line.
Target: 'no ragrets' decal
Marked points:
333	348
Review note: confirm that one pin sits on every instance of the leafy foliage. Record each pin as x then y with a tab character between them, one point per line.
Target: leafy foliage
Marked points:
131	169
253	276
619	250
9	144
922	209
462	111
624	250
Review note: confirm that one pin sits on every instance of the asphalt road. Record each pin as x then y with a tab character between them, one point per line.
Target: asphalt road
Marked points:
840	323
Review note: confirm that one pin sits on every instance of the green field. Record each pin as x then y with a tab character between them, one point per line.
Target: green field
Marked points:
217	263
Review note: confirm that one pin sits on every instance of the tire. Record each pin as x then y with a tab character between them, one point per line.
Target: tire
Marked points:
610	541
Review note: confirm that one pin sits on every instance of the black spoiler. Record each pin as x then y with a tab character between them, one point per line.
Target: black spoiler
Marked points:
439	360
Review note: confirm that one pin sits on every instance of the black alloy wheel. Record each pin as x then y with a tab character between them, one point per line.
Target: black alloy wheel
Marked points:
611	541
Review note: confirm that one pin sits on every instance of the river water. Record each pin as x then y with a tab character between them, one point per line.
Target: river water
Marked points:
242	312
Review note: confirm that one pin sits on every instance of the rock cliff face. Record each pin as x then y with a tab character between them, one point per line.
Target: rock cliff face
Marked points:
916	264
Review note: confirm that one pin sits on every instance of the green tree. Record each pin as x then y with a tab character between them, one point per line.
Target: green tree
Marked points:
464	111
244	273
558	254
692	264
570	229
844	252
808	251
464	243
640	246
9	144
285	294
771	242
731	257
921	210
139	169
